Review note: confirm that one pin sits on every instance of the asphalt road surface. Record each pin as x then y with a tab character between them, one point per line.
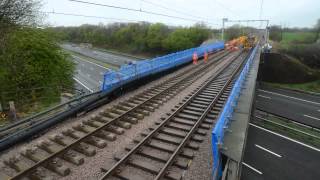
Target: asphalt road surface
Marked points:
89	75
104	57
299	107
271	156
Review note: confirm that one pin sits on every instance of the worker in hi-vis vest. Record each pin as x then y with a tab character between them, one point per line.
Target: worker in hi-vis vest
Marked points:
205	56
195	58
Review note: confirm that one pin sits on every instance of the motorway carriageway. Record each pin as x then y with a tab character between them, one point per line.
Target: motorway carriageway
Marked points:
89	75
272	156
299	107
104	57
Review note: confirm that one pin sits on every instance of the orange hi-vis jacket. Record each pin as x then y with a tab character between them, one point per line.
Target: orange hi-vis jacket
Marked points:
205	57
195	58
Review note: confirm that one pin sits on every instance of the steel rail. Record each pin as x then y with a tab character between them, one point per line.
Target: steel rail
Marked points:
153	132
76	142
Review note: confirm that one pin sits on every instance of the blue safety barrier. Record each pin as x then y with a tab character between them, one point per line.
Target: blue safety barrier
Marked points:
130	72
225	116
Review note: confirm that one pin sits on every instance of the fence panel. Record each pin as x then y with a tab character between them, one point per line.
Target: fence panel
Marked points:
130	72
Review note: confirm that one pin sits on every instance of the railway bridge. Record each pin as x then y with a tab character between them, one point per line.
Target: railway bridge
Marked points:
167	118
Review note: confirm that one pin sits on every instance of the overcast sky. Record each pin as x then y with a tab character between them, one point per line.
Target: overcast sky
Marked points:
292	13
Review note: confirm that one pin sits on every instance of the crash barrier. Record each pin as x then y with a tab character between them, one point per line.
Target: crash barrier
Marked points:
225	116
139	69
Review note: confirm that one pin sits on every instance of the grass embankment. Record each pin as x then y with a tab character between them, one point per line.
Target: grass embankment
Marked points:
297	66
291	129
137	56
309	87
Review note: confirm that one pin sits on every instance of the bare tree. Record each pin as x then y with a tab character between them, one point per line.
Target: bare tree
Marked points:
16	13
19	12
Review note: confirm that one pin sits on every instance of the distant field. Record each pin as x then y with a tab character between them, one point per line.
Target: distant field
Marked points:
301	37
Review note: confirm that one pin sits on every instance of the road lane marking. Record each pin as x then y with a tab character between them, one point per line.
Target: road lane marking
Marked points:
290	97
267	150
311	117
78	81
90	62
285	137
319	110
264	96
252	168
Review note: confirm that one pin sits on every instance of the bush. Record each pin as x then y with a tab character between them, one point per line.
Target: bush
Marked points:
308	54
278	68
33	67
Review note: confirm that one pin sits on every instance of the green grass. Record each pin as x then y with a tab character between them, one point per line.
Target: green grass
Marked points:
291	133
310	86
302	37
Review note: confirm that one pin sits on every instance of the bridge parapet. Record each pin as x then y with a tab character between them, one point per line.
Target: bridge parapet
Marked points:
229	133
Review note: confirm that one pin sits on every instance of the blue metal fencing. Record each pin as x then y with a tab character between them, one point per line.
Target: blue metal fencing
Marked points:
130	72
225	115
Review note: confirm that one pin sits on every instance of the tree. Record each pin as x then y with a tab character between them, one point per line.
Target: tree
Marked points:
276	33
178	40
18	12
32	60
156	34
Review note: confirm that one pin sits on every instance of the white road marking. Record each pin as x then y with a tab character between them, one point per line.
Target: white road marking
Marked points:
267	150
252	168
78	81
264	96
285	137
90	62
311	117
319	110
290	97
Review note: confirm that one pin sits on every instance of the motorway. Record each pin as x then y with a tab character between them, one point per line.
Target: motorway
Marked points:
89	75
299	107
104	57
271	156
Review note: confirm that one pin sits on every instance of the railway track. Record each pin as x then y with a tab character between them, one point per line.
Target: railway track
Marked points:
97	130
168	148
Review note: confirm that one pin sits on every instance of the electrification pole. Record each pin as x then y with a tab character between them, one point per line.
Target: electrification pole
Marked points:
222	31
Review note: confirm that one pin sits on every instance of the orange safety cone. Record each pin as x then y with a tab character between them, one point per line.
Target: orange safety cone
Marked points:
195	58
205	57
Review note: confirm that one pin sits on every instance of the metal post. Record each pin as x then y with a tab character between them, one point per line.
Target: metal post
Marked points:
267	32
13	114
222	31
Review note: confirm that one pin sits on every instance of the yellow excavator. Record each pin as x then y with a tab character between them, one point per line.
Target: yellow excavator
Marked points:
244	42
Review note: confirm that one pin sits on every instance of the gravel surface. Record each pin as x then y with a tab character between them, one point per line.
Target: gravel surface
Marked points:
104	157
201	166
